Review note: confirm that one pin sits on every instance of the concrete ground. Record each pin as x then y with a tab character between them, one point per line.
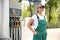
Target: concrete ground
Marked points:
53	34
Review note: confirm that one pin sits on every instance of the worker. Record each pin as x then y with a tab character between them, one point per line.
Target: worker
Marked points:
38	22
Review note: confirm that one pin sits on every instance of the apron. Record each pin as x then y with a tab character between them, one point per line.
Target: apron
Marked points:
41	30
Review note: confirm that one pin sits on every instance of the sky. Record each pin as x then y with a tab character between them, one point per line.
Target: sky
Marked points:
27	3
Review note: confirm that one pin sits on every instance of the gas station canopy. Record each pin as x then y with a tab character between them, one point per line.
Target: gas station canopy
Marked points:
35	0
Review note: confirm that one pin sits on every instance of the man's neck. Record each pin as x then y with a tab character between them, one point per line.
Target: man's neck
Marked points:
40	14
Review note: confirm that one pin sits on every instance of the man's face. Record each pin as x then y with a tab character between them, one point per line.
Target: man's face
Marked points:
41	9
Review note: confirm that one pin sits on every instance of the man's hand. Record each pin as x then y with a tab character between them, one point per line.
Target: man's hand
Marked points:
35	33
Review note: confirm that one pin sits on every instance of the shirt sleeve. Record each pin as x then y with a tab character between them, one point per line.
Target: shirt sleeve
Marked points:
35	23
33	17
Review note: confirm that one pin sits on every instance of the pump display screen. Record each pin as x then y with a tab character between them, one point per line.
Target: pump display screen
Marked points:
35	0
16	12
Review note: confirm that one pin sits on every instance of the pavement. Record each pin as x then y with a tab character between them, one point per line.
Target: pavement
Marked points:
53	34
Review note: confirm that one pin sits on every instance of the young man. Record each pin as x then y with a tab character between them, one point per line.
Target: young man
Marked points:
39	24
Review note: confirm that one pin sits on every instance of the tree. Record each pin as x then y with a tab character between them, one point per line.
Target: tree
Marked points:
53	11
51	4
16	0
31	9
27	11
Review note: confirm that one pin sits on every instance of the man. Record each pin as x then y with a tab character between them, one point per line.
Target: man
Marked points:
39	24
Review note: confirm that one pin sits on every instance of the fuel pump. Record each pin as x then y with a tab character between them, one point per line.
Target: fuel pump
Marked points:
15	14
